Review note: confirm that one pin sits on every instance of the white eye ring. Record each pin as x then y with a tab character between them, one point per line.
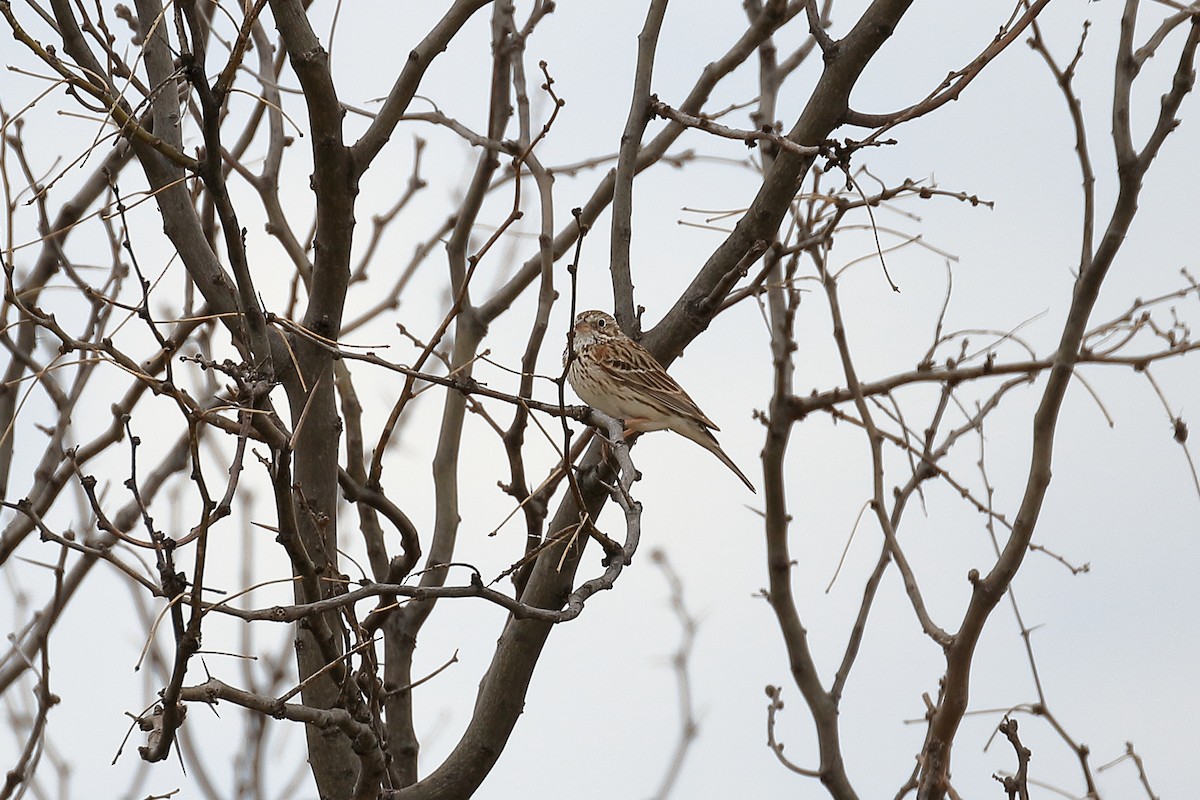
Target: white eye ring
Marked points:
600	323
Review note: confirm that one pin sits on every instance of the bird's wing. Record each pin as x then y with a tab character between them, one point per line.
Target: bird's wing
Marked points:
634	364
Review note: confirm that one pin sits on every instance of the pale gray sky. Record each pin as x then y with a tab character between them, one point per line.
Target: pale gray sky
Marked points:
1116	646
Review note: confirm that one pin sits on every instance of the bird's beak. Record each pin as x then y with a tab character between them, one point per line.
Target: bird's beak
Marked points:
582	327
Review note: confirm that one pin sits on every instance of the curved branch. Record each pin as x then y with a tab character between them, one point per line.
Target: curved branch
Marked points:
398	99
954	84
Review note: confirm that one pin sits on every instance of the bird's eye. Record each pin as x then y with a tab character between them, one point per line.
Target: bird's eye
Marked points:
600	323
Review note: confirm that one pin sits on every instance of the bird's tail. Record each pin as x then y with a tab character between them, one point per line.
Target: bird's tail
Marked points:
703	437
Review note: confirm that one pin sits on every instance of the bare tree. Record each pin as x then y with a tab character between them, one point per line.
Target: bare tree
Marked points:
210	384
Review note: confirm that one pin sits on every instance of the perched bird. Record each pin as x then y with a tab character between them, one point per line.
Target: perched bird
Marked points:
614	374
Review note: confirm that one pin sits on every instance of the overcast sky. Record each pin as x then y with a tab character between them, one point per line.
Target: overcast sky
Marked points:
1116	646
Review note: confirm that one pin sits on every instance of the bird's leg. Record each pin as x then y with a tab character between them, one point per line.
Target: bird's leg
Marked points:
633	427
629	435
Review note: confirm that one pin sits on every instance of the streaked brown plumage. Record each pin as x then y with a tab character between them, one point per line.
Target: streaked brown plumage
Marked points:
616	375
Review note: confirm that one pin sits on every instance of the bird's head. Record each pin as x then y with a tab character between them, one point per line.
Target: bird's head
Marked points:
595	326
